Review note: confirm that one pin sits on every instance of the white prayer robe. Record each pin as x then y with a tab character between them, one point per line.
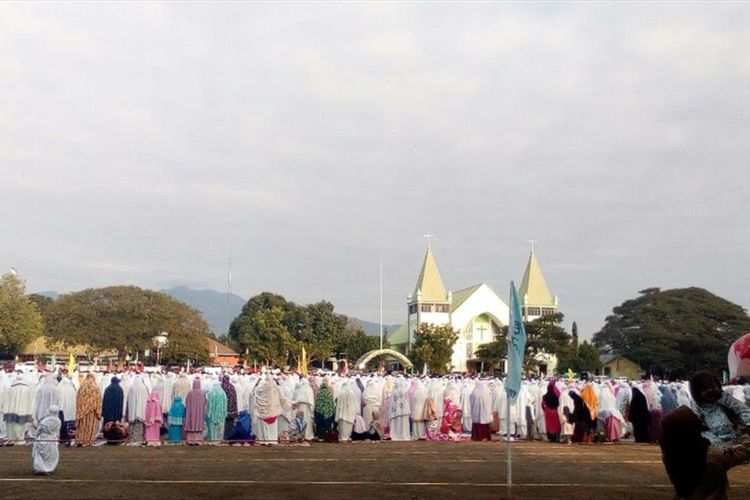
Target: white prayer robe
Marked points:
45	454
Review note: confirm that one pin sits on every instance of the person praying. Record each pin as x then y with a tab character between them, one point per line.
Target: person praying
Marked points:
45	454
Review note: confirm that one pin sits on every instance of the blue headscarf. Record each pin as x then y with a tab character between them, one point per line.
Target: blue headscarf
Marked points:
113	402
176	414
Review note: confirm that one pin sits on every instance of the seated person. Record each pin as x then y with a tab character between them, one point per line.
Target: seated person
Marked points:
373	433
697	469
718	410
115	432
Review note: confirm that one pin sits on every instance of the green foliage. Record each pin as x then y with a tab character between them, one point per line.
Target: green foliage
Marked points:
322	330
41	302
433	346
125	319
586	358
354	343
544	335
20	320
278	338
492	353
673	332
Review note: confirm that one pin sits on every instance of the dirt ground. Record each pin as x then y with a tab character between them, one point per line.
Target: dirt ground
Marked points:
411	470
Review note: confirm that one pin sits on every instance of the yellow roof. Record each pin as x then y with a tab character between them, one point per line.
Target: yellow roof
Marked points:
429	282
534	287
400	336
42	346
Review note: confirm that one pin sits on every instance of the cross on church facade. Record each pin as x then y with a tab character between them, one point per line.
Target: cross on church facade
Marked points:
482	328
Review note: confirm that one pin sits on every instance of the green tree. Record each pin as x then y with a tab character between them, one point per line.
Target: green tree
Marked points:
322	330
125	319
433	346
492	353
20	320
243	329
545	334
41	301
354	342
673	332
268	338
586	359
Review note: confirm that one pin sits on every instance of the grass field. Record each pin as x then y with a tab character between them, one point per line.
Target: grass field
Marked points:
358	471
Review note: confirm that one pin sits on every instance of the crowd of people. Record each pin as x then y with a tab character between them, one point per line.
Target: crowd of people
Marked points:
143	409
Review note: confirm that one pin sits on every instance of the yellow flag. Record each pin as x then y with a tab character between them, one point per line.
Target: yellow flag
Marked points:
71	363
303	362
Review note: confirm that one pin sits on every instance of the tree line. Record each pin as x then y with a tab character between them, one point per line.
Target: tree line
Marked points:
671	333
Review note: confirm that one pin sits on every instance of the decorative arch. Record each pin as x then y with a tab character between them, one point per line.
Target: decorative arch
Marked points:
365	358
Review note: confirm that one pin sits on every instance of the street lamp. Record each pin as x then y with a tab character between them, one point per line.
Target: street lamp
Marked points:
160	341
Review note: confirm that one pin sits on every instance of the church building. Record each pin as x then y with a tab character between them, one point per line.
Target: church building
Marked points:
476	312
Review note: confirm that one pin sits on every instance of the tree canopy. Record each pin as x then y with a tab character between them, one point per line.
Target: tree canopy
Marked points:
20	320
126	319
433	346
273	330
673	332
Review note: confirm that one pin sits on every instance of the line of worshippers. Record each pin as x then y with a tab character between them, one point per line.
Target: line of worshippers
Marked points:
152	409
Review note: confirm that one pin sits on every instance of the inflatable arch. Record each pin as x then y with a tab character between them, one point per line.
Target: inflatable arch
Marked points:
365	358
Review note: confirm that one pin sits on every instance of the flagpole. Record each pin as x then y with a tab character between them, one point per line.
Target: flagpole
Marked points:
507	373
381	305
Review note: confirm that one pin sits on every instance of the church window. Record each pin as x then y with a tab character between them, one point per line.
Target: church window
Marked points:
533	311
482	329
441	308
547	310
426	308
413	309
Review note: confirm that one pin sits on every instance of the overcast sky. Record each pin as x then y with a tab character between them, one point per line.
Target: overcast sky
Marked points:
138	141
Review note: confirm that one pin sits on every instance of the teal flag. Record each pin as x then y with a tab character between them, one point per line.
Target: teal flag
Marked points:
516	346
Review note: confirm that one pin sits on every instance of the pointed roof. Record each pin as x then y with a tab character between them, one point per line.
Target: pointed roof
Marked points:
460	296
429	282
533	286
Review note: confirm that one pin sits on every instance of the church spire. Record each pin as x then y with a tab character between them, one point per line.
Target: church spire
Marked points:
430	286
533	290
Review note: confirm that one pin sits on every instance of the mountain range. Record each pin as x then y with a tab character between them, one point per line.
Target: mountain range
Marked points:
219	308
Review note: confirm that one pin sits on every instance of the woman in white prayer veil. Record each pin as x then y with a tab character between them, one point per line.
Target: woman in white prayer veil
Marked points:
182	386
465	402
418	430
68	408
18	410
435	392
136	410
372	397
47	395
267	404
399	412
500	402
566	403
44	453
347	408
452	392
304	399
611	418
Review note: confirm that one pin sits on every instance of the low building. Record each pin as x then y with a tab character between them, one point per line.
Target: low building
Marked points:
616	366
220	354
42	348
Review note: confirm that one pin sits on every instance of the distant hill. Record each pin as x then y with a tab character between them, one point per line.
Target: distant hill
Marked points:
371	328
219	313
214	306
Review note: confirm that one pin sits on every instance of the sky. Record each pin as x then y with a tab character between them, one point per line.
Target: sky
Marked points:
139	142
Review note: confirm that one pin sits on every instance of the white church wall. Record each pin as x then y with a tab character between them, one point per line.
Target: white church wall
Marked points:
484	301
